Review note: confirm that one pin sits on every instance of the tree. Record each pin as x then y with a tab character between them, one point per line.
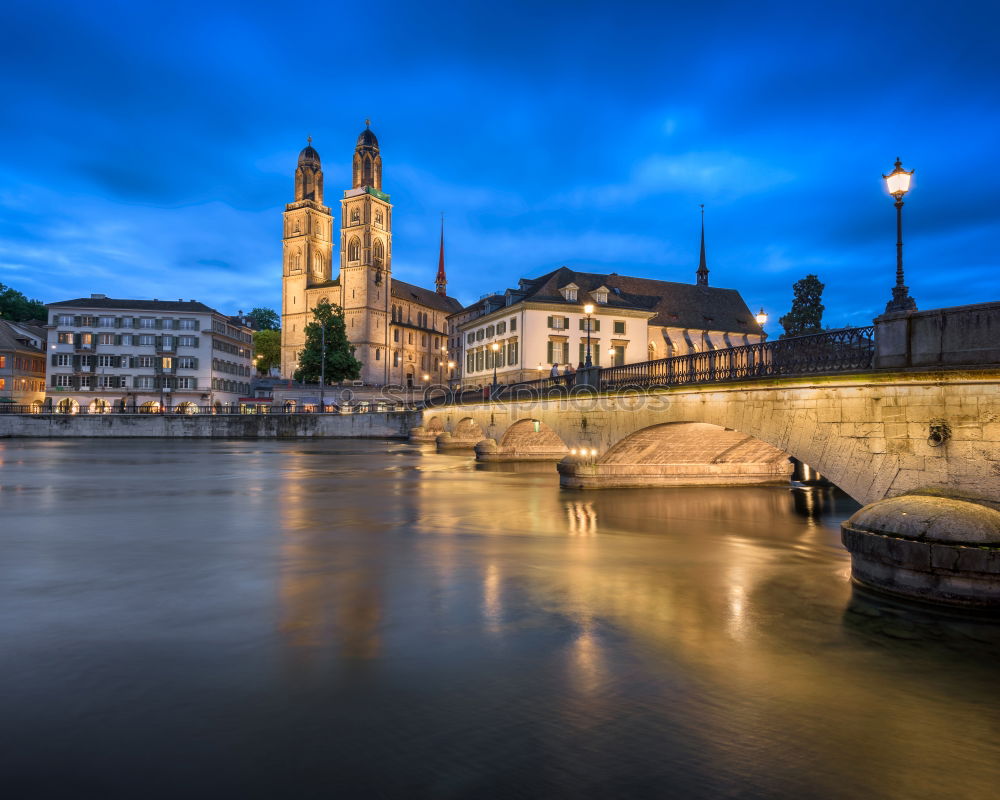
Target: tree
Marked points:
264	319
806	314
340	361
18	308
267	349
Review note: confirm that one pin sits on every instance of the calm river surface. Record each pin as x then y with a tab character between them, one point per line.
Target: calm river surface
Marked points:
345	619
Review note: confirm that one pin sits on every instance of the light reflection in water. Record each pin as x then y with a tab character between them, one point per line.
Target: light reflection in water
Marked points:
392	622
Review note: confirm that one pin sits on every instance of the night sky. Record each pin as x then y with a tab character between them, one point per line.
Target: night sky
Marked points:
147	149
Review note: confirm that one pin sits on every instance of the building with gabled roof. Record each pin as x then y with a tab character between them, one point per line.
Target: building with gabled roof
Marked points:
542	323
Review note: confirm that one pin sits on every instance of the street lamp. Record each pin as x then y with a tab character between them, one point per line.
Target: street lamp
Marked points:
322	367
898	183
496	349
611	356
761	318
588	310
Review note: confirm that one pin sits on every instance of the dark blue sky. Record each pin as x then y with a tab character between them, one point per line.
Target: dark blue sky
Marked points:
147	149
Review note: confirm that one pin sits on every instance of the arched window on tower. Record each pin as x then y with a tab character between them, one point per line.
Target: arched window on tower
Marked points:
354	249
366	172
318	263
355	215
378	253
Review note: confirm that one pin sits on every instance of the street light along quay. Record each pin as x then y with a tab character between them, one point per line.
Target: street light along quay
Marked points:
496	349
588	310
898	183
761	318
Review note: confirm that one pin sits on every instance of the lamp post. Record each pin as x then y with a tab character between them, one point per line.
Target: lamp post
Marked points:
761	318
588	310
322	367
898	183
496	349
611	356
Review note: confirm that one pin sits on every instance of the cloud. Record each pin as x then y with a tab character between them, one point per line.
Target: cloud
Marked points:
718	176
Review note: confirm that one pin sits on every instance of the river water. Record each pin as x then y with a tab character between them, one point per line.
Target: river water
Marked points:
339	619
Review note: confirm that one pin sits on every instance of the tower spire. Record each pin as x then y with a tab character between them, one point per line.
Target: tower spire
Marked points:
441	282
702	264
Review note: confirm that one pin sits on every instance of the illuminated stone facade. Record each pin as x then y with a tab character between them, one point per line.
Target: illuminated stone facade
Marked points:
398	330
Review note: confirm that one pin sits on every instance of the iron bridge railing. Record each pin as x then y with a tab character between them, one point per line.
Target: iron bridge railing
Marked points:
844	350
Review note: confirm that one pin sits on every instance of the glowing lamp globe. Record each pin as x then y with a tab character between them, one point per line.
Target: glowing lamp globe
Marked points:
761	317
898	181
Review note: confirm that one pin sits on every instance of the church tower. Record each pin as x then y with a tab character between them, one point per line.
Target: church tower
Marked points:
366	260
307	255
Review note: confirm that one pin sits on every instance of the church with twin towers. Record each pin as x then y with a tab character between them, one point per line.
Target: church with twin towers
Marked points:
398	330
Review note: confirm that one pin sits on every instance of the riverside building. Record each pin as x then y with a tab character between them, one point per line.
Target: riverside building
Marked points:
22	364
146	355
522	332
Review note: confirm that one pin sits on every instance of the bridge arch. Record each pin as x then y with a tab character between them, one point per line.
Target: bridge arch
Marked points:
525	440
680	454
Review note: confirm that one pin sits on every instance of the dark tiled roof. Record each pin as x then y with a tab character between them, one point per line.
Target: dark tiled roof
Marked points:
137	305
496	301
426	297
13	339
679	305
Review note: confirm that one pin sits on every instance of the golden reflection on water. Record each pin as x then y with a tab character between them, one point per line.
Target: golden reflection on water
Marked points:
739	593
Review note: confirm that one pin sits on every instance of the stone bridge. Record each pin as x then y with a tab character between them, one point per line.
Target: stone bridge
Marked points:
870	434
921	425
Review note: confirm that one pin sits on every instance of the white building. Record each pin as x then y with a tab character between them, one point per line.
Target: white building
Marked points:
543	322
179	355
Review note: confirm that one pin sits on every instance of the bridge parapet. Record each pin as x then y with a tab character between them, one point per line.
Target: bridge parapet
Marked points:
962	336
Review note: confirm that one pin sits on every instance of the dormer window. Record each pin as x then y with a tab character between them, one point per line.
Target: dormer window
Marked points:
569	292
600	295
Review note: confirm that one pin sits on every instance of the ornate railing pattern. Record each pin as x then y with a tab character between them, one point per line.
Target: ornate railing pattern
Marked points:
841	350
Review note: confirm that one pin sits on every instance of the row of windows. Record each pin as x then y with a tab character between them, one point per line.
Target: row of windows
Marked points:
354	251
226	347
235	387
23	363
128	322
123	362
426	361
499	329
230	367
231	331
425	340
560	353
423	318
562	323
123	382
356	215
22	385
485	358
88	340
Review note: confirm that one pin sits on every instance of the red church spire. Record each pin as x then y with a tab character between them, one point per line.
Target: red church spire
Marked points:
441	282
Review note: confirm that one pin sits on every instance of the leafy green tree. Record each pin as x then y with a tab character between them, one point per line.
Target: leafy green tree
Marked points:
16	307
340	361
267	350
264	319
806	314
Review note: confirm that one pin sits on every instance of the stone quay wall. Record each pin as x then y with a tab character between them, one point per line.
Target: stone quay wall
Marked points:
388	425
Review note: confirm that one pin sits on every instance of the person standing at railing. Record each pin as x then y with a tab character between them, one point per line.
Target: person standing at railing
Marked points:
554	373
